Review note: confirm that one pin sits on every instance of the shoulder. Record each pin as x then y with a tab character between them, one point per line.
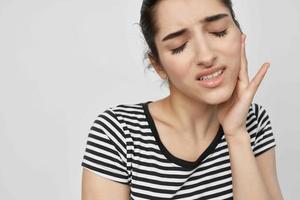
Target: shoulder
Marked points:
121	116
113	125
260	129
257	111
260	113
125	110
254	119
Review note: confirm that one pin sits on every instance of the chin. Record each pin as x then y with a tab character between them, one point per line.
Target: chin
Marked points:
218	96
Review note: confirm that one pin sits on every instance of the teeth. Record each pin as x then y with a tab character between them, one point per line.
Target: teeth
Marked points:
209	77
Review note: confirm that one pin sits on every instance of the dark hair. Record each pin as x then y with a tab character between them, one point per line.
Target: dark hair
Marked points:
149	28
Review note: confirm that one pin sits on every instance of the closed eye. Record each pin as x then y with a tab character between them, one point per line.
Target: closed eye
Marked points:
220	34
179	49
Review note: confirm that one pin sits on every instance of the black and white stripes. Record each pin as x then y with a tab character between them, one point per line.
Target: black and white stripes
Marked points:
123	145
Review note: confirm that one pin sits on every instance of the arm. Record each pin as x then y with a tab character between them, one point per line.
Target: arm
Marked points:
249	180
95	187
267	166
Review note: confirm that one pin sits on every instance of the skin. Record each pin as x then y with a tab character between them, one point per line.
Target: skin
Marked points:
195	106
197	109
193	113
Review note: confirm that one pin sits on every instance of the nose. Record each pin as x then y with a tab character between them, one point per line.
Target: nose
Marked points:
204	53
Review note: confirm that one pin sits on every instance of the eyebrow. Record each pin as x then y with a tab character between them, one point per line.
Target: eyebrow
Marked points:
206	20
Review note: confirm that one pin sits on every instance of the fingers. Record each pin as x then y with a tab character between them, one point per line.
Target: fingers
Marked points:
244	77
258	78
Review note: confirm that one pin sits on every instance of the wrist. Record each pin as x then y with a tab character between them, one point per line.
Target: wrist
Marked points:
238	137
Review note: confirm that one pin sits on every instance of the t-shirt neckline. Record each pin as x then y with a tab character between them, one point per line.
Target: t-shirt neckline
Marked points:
171	157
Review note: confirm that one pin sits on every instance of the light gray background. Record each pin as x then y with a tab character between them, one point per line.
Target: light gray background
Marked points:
62	62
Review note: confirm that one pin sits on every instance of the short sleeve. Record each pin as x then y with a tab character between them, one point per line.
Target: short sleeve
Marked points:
264	139
105	152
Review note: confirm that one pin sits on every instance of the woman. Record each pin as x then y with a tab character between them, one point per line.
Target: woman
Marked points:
207	139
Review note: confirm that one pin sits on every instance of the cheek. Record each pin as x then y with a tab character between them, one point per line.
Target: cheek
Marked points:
232	53
233	48
176	67
231	56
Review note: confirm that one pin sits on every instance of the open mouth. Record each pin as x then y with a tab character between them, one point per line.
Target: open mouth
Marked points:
213	80
211	76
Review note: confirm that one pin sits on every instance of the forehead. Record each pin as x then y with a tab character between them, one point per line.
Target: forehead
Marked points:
172	15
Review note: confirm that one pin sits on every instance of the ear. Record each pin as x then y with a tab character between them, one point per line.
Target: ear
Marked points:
157	67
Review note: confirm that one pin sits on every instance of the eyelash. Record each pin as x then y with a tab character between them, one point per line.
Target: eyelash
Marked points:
181	48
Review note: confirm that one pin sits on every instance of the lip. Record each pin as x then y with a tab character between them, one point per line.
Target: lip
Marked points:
209	71
213	83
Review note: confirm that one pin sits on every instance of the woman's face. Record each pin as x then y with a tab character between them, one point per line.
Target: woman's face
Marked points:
204	44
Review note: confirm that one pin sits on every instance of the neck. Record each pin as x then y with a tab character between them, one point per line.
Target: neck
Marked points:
191	118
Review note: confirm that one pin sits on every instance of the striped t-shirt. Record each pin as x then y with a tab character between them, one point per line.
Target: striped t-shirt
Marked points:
123	145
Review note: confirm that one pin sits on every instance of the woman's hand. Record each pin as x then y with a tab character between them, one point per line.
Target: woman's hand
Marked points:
232	114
